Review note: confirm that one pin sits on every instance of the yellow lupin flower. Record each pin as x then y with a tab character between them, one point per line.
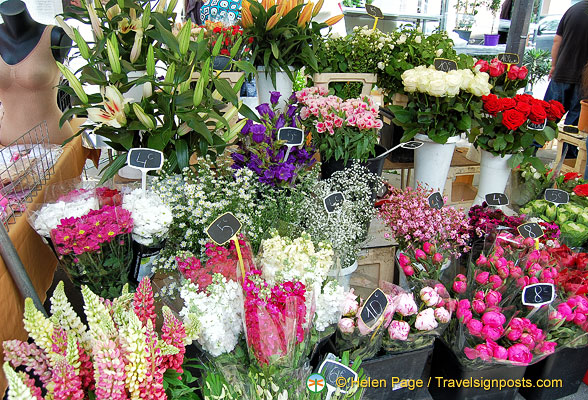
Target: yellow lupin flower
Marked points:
273	21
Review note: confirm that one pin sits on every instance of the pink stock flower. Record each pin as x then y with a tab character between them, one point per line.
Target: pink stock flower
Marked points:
399	330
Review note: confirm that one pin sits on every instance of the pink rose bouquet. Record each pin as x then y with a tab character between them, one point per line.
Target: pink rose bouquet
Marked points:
340	129
95	249
416	326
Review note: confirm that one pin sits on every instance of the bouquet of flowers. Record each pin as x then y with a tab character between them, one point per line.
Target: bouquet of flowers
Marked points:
422	263
229	36
345	228
569	181
572	275
568	321
412	222
505	79
260	150
483	221
354	335
341	130
151	217
506	126
415	326
74	204
117	355
441	104
492	323
95	249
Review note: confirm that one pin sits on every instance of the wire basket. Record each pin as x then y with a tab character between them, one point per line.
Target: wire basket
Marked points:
25	165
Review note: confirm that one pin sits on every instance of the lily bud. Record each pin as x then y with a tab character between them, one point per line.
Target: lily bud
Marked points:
199	91
218	44
96	27
273	21
74	83
317	8
230	134
145	119
246	18
184	37
171	6
67	29
183	129
82	45
305	15
333	20
150	63
236	47
136	50
113	12
113	55
169	76
160	6
146	18
147	90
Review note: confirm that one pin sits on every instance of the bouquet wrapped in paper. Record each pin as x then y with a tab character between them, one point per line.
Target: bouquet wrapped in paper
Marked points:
413	325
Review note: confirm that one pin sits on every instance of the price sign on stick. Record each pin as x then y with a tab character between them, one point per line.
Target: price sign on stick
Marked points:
225	228
436	200
145	160
374	12
219	63
333	201
536	127
508	58
337	377
444	64
411	145
557	196
496	199
530	230
293	137
538	294
373	308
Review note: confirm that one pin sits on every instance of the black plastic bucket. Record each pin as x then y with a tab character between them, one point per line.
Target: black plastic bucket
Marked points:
374	165
390	136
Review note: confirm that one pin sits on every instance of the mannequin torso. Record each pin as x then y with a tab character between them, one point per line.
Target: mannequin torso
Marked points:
28	74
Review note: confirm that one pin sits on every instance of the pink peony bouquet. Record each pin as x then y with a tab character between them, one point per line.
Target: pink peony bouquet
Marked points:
117	355
340	129
492	323
95	249
412	222
413	325
568	321
422	263
354	335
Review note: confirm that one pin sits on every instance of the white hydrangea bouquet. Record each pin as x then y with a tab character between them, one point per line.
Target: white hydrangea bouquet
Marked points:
441	104
151	217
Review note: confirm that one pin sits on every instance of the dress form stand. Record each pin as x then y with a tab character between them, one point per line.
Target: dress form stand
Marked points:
29	74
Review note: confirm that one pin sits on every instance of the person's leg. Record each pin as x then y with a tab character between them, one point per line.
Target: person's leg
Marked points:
574	105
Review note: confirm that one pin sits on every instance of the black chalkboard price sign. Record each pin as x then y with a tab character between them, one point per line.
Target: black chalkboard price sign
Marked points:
538	294
219	63
557	196
436	200
224	228
373	11
374	308
530	230
411	145
147	159
334	372
333	201
496	199
508	58
536	127
292	136
444	64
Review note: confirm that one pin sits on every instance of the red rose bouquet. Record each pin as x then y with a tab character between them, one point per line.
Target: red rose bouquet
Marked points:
509	126
507	80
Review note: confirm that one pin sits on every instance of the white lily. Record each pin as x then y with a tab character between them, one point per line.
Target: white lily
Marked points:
136	50
113	113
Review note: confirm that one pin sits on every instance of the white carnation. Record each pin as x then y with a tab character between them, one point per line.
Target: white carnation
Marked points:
51	214
151	217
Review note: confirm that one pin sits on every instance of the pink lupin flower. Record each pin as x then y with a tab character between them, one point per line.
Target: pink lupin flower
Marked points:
109	371
152	387
68	385
143	303
30	382
173	333
30	356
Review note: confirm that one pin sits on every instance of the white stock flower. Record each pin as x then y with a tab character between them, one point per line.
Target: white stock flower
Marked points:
328	303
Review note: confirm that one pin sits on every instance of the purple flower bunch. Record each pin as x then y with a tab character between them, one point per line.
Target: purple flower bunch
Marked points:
260	150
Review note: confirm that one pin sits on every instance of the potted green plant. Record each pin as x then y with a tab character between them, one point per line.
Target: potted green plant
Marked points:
170	115
538	63
493	6
284	39
465	16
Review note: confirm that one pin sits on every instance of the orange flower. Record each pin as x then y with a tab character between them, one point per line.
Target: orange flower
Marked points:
317	8
305	15
334	20
246	18
273	21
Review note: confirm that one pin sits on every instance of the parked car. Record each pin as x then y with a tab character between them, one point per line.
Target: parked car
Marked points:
545	32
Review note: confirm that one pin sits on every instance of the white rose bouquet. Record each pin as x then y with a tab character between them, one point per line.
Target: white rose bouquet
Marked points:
441	104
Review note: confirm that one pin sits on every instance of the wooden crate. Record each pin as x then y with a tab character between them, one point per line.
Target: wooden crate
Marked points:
374	264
